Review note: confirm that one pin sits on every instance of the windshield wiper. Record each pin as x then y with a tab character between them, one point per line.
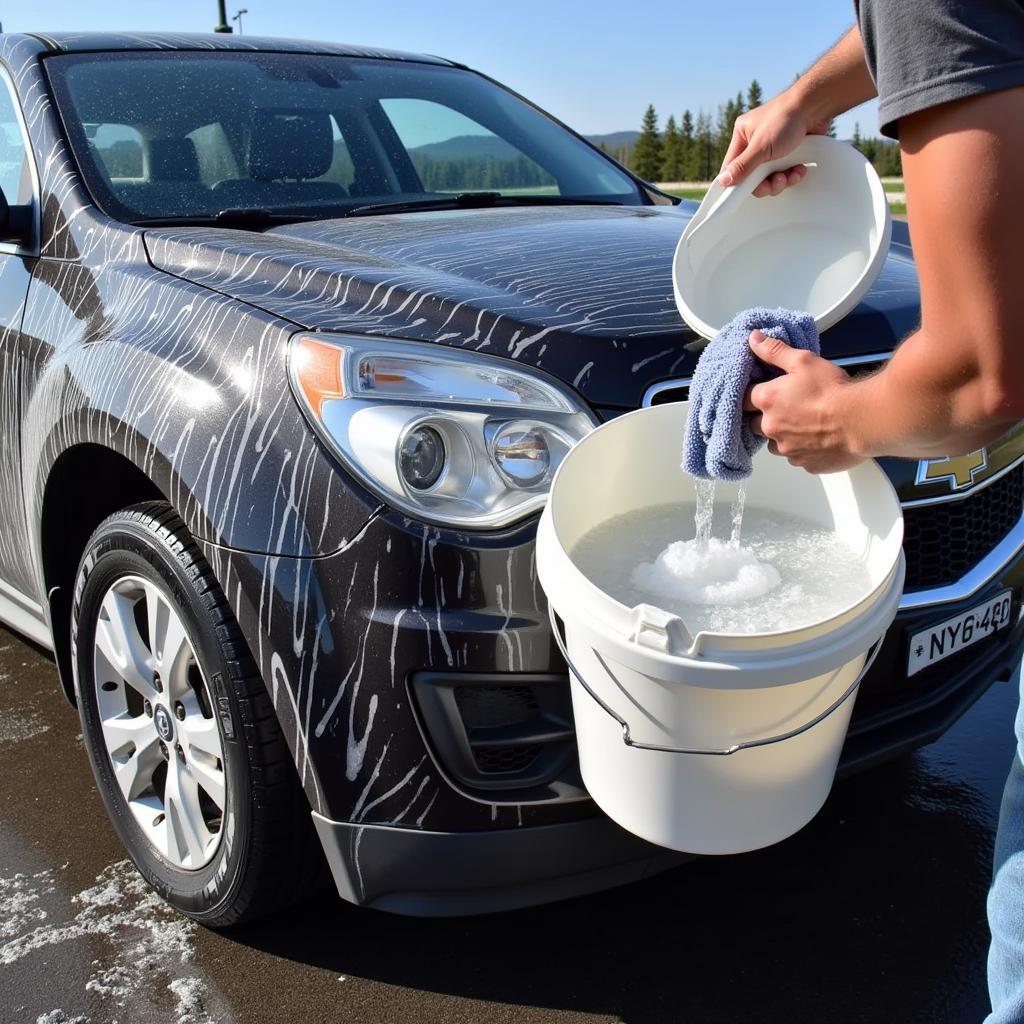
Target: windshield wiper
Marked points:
234	217
474	200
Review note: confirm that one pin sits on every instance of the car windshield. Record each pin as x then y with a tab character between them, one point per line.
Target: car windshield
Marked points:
185	136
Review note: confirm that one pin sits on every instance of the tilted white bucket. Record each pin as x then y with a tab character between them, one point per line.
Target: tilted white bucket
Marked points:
713	743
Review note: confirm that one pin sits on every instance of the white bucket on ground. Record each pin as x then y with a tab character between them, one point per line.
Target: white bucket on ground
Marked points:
817	247
713	743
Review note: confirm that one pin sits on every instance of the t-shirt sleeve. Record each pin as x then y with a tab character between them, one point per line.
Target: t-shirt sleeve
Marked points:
922	53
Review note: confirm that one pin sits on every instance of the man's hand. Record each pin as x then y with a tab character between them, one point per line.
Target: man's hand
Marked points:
797	411
767	133
837	82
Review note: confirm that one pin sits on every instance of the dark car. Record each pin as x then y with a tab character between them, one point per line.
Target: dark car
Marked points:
294	337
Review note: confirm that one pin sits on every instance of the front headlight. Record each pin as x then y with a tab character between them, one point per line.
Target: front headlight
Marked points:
449	436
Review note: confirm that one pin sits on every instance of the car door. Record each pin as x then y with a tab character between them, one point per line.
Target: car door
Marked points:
18	179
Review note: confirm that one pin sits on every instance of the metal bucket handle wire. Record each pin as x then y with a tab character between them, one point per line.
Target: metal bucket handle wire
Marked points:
746	744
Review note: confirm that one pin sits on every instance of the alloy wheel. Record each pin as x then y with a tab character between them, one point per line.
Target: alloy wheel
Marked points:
157	722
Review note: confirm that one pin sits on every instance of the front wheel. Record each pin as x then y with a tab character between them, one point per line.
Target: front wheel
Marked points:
183	741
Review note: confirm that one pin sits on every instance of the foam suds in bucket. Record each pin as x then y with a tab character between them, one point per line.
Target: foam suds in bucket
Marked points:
710	572
787	572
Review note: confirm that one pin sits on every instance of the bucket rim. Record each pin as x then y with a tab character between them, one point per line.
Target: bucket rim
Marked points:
621	613
772	666
813	149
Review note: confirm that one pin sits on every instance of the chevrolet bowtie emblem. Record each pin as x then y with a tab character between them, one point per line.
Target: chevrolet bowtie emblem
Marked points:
959	470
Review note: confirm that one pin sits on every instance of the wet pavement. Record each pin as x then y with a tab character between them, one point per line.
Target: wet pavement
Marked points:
873	913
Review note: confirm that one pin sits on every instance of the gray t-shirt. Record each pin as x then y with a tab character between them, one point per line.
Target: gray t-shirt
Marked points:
925	52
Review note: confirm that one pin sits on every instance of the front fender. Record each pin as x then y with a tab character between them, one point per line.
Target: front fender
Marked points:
191	387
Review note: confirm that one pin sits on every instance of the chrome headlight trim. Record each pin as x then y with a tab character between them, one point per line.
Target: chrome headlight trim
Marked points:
466	395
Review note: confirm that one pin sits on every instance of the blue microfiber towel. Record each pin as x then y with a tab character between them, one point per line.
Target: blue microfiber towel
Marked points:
719	443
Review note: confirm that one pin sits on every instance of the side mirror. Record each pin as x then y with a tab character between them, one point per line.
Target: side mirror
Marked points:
16	222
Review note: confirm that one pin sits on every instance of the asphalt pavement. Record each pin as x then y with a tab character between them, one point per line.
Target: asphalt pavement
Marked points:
873	913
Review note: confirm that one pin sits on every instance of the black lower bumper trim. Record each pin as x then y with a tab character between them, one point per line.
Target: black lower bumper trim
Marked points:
450	874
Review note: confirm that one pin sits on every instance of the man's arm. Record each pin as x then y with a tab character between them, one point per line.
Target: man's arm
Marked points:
958	382
836	83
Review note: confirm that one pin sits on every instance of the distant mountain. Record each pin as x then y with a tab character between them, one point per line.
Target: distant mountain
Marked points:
615	140
468	147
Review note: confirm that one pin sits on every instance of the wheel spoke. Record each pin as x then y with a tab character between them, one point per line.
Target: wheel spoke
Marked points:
135	775
119	643
120	730
167	639
203	734
210	778
188	831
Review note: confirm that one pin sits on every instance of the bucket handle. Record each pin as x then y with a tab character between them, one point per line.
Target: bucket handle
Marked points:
720	752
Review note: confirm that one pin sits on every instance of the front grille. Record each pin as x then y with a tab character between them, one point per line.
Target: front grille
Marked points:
945	541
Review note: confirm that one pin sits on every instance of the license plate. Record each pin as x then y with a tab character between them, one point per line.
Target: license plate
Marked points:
945	638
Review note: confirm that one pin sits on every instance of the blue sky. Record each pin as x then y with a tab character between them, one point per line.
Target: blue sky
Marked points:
593	63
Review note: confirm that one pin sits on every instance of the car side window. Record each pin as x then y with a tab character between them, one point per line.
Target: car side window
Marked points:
118	149
15	172
342	170
453	153
214	154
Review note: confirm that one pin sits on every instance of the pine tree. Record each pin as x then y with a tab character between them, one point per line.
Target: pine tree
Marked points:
705	147
726	120
856	140
688	148
754	95
647	150
831	130
672	151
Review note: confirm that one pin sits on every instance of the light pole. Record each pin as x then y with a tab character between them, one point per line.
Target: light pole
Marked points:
223	25
238	17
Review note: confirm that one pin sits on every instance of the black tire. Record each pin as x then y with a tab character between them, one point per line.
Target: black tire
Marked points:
268	856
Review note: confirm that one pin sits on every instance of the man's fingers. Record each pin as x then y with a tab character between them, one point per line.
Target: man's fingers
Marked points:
748	404
776	352
778	182
737	144
755	424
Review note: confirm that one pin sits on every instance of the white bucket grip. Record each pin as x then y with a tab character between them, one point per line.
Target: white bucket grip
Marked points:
656	628
711	751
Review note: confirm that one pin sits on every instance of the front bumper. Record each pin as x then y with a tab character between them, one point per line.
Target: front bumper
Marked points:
341	638
448	874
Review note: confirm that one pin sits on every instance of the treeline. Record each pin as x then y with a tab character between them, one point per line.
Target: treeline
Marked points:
479	173
884	154
693	148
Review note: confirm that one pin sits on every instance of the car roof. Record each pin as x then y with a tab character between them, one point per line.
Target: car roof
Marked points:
89	42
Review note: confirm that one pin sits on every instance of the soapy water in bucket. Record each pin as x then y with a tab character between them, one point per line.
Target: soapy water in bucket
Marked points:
786	573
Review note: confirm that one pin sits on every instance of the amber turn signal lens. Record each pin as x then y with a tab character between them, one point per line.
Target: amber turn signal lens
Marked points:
318	371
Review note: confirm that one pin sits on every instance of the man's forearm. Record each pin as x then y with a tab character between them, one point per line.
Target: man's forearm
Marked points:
921	406
836	83
959	382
